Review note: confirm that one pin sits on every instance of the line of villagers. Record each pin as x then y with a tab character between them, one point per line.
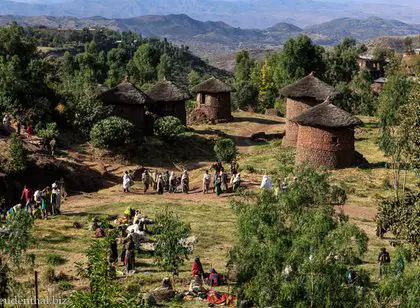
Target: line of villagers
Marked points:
42	202
171	183
10	125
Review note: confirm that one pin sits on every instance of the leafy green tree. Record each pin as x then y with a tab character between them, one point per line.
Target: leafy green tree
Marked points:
104	292
170	251
395	141
401	217
225	150
169	128
193	78
92	60
341	62
246	93
111	132
164	68
17	154
13	247
142	67
117	62
49	132
292	251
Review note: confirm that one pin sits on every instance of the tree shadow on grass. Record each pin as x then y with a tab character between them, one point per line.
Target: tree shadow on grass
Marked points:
258	120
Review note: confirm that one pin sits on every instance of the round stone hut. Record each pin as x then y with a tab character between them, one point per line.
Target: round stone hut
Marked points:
302	95
213	99
168	100
326	137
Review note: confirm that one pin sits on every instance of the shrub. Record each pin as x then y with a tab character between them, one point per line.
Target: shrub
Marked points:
225	150
111	132
338	195
49	132
54	259
171	230
64	285
49	275
17	154
169	128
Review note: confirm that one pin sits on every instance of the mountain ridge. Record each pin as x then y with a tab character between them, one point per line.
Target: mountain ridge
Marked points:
258	14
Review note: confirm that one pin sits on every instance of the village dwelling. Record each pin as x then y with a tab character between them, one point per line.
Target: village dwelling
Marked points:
326	137
213	99
376	67
129	103
169	100
301	96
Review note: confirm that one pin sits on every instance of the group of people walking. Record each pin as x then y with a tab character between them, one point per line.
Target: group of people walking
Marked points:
221	180
42	201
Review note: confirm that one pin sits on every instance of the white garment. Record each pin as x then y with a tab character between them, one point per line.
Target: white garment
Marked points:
126	181
184	176
37	195
237	178
266	183
206	178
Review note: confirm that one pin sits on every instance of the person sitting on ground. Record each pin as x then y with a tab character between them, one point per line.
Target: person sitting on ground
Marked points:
266	183
196	285
197	268
237	182
206	182
383	262
99	232
215	279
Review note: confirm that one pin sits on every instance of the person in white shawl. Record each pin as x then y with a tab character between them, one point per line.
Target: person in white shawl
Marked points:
266	183
126	182
172	182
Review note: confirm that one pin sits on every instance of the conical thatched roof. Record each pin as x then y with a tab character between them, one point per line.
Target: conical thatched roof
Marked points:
166	91
327	115
309	86
212	85
124	94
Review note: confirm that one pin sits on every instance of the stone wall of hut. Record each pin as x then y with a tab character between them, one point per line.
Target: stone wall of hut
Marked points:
175	109
295	107
216	106
132	113
329	147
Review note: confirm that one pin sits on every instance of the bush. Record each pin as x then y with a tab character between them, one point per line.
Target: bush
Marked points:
49	275
169	128
64	285
111	132
225	150
17	154
338	195
54	259
49	132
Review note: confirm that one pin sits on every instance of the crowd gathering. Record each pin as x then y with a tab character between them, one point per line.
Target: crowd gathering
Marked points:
41	203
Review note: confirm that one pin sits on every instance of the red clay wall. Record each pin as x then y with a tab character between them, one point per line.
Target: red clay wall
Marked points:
215	106
293	109
317	147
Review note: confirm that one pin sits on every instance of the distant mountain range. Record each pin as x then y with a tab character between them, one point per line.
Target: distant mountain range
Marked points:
221	36
258	14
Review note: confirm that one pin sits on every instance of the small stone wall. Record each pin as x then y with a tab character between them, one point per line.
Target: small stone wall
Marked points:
332	148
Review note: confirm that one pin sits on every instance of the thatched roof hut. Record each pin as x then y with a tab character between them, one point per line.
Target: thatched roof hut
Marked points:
213	99
169	100
327	115
212	85
129	103
326	137
302	95
124	94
